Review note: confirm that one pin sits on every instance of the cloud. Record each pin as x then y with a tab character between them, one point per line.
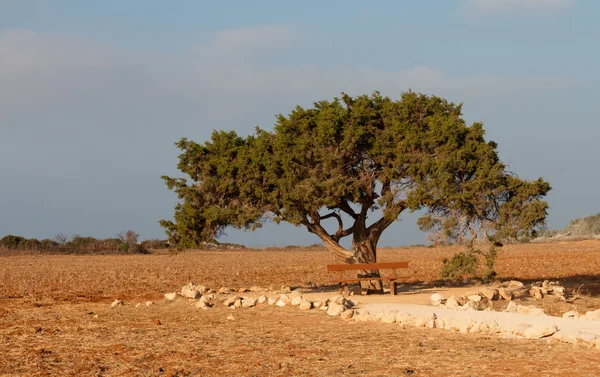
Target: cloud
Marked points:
510	6
64	76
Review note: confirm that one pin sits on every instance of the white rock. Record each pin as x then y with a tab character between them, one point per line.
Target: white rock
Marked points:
347	315
248	302
190	291
491	293
171	296
531	310
202	305
436	299
139	304
540	330
305	305
586	339
116	303
271	301
571	314
317	304
225	290
335	309
285	298
593	315
452	303
324	307
280	303
294	294
431	323
389	316
149	303
511	308
339	299
230	318
237	303
231	300
256	288
421	322
558	290
565	337
470	306
296	300
505	294
513	284
474	297
520	329
362	316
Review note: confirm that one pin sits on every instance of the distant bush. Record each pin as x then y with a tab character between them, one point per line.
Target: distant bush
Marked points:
465	264
11	242
578	229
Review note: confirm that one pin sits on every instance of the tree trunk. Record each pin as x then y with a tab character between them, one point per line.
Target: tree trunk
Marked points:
366	252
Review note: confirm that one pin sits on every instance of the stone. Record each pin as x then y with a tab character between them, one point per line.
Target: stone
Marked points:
536	292
513	284
230	300
207	297
431	323
190	291
421	322
324	307
171	296
505	294
116	303
286	288
586	339
436	299
139	304
271	301
294	294
338	299
203	305
305	305
558	290
565	337
296	300
225	290
572	314
593	315
452	303
285	298
242	290
335	309
490	326
470	306
230	318
461	324
149	303
362	316
317	304
475	328
531	310
262	299
540	330
405	319
280	303
389	316
511	308
492	294
546	285
347	315
256	288
237	303
519	330
248	302
476	297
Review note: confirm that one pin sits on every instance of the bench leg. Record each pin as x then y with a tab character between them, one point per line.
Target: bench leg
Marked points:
346	293
393	287
340	288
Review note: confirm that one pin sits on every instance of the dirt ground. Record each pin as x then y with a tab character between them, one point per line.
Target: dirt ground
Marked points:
55	318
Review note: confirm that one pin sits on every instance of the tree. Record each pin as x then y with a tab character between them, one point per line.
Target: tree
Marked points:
346	159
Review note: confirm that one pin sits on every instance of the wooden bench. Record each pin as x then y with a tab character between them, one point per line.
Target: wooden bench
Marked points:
344	280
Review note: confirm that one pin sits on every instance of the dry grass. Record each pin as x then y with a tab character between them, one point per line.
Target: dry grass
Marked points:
48	303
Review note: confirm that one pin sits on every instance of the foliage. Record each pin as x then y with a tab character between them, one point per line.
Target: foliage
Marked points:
11	242
345	159
461	265
123	246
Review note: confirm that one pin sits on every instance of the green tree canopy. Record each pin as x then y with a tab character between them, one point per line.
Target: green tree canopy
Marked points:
350	158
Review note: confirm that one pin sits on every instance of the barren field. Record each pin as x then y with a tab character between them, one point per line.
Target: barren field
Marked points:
55	318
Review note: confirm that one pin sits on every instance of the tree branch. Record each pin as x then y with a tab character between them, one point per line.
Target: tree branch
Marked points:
344	206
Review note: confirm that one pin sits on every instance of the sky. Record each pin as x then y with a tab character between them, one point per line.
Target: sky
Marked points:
93	95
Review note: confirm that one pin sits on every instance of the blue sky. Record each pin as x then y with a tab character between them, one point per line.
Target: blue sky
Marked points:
94	94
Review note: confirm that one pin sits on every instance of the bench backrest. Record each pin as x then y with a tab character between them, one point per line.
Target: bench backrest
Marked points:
371	266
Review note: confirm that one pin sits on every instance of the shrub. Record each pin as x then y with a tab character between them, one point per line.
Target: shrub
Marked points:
123	246
458	267
11	242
